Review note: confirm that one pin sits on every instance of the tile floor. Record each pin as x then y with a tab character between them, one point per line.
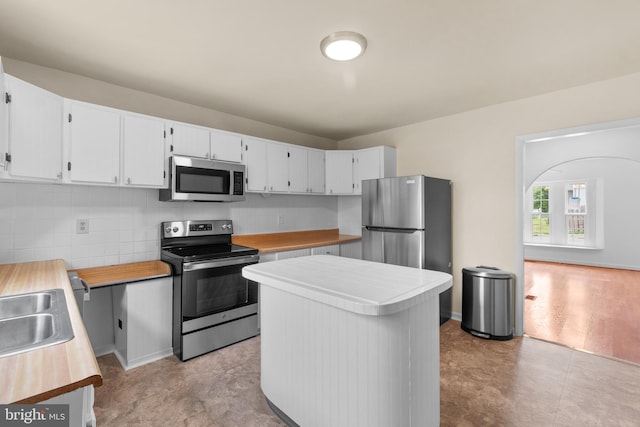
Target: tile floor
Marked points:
521	382
590	308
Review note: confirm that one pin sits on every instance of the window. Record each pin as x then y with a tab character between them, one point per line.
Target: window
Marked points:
563	213
576	213
540	215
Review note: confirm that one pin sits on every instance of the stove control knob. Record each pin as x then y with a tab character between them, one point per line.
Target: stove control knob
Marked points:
226	226
167	230
175	229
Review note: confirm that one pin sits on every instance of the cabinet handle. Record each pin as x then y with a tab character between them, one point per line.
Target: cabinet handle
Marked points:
265	188
128	180
213	156
206	156
115	179
59	176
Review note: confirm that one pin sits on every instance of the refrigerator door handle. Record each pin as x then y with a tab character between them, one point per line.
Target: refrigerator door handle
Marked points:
391	230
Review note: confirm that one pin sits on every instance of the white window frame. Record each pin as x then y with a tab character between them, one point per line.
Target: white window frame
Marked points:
559	212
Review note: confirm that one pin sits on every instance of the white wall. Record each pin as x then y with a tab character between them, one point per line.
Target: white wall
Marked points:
477	151
621	205
39	221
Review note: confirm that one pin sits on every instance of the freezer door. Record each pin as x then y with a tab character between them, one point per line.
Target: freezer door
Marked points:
399	247
394	202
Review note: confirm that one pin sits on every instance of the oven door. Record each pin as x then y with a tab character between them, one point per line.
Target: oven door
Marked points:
215	292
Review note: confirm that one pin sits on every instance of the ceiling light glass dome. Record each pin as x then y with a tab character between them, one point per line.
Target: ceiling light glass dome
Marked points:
343	45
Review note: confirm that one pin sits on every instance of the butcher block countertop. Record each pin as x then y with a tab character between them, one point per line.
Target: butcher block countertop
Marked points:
44	373
277	242
123	273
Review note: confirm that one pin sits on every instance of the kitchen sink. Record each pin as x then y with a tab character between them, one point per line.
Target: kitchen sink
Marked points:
19	305
32	321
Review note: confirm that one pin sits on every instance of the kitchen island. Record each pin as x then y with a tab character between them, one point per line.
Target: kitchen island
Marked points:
346	342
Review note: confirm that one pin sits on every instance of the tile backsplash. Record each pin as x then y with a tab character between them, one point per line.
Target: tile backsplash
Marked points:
39	221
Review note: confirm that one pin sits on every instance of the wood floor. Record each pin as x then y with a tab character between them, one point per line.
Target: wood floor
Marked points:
588	308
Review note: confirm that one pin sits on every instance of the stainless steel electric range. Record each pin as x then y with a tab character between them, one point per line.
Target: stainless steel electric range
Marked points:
213	305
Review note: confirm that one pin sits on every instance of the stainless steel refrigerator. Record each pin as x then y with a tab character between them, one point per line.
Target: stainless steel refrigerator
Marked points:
407	221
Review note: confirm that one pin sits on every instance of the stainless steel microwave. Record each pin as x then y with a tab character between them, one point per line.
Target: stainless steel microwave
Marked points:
201	180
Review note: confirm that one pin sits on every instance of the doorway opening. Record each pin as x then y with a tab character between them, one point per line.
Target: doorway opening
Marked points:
580	283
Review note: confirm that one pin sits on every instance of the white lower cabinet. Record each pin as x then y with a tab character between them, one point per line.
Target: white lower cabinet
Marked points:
142	313
319	250
351	250
326	250
80	403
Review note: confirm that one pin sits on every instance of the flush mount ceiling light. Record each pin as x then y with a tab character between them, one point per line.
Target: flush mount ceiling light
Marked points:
343	45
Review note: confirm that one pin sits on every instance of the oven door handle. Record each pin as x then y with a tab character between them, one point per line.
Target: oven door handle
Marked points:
191	266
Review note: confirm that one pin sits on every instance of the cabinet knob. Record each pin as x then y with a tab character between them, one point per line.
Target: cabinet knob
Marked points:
115	179
59	176
128	180
213	156
206	156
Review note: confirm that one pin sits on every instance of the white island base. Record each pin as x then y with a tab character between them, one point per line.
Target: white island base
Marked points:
346	342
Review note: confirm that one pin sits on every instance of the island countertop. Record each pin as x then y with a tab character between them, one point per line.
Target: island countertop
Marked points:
44	373
362	287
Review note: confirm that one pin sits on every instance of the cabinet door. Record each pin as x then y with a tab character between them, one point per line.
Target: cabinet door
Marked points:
255	158
293	254
4	123
226	146
339	170
366	166
326	250
298	170
143	147
278	167
94	144
192	141
35	132
316	170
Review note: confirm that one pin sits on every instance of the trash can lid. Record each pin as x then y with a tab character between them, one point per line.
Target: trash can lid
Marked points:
490	272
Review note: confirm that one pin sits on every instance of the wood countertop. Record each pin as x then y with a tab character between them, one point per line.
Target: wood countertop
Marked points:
123	273
41	374
277	242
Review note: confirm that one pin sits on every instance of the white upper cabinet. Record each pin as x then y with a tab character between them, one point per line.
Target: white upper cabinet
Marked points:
226	146
277	167
197	141
306	170
143	151
372	163
34	149
316	171
348	168
339	172
4	123
298	168
93	143
255	158
189	140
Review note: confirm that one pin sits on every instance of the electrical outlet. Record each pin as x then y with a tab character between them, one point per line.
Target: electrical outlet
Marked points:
280	219
82	226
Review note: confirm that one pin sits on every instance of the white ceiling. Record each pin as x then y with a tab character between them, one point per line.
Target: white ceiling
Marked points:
260	59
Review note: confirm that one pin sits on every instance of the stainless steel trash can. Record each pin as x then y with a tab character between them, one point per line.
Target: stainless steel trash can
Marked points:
487	302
